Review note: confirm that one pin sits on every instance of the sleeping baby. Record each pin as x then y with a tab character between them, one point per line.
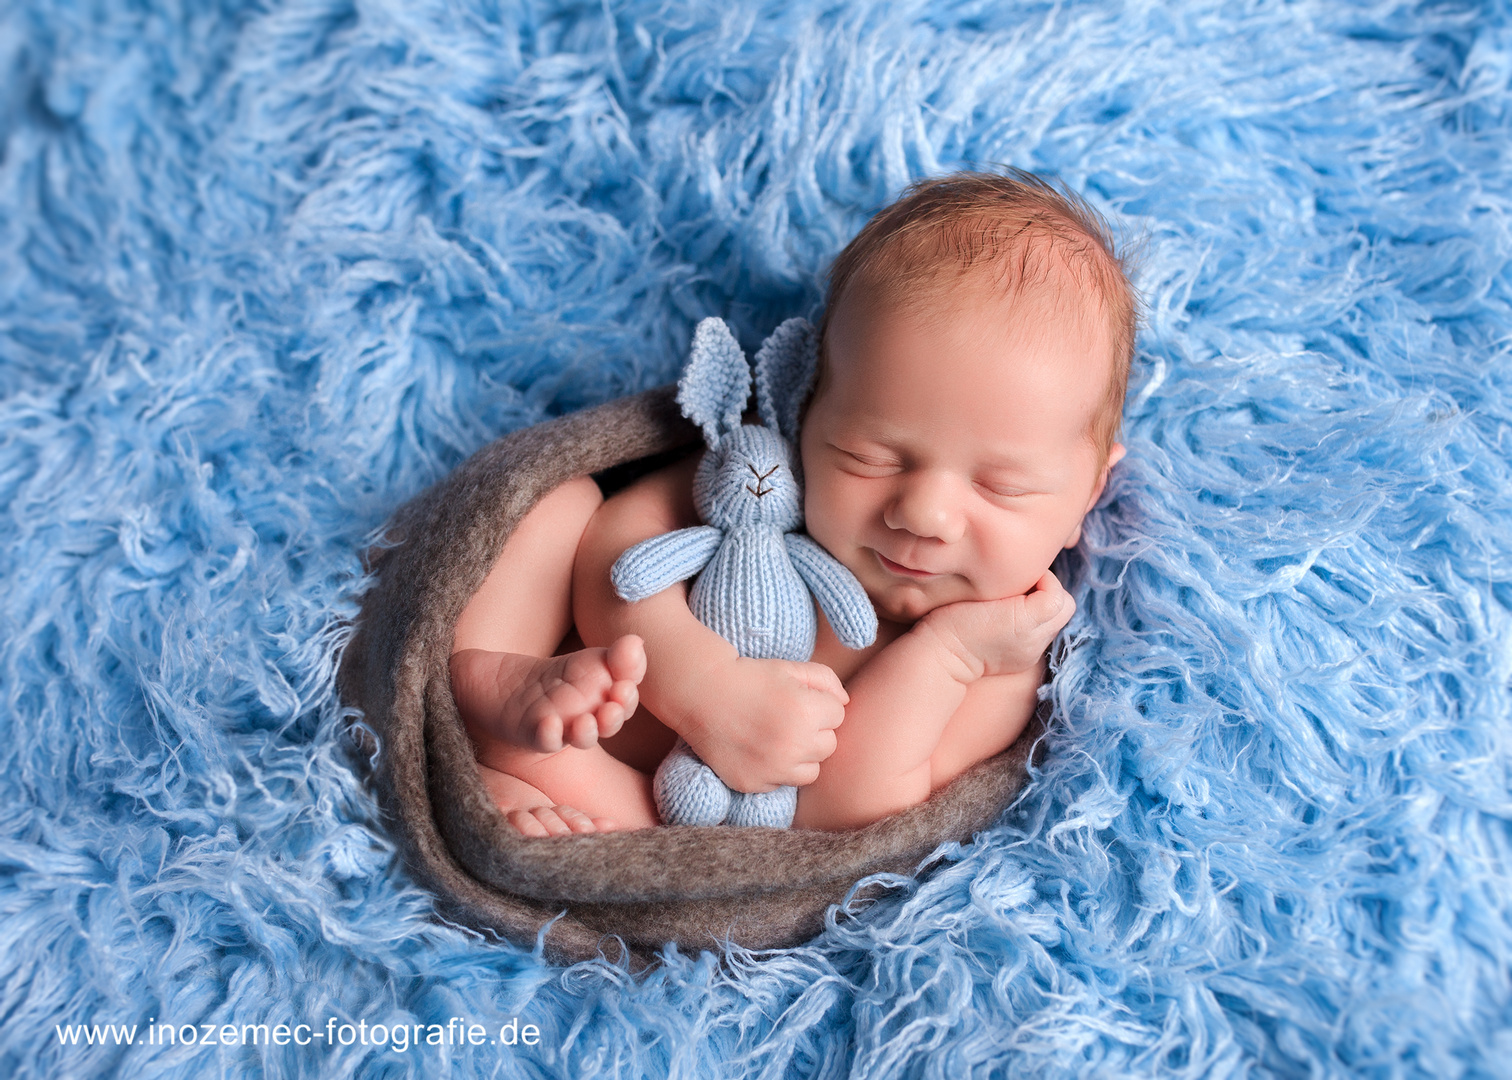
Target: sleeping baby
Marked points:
973	359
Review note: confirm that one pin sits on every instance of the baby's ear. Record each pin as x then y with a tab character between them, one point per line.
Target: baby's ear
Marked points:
1116	454
785	367
716	381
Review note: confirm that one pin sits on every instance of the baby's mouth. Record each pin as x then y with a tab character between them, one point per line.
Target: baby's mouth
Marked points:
901	570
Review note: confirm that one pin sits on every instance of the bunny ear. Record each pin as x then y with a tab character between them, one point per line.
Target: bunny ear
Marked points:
716	381
785	374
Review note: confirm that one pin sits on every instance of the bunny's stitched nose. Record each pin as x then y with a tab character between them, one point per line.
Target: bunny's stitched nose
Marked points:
761	478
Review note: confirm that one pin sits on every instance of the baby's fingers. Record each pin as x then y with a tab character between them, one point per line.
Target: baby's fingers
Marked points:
804	775
1049	603
822	677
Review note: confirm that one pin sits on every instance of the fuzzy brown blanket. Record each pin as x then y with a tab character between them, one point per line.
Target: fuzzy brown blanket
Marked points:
759	888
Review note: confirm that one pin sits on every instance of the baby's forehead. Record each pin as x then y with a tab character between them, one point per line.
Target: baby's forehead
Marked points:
1056	305
1057	323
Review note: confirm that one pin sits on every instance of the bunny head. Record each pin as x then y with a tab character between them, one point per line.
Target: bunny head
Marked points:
750	475
749	479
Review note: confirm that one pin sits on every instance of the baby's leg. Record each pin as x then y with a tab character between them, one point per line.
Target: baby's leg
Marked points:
521	704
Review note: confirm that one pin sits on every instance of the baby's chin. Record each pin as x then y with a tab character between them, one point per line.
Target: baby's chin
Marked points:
901	601
906	603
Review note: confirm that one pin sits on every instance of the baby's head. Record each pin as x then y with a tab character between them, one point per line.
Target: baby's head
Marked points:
973	362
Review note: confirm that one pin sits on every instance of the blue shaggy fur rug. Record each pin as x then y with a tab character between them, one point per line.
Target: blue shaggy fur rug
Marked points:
268	269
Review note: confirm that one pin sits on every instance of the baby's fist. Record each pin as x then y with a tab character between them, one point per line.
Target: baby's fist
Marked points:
1000	637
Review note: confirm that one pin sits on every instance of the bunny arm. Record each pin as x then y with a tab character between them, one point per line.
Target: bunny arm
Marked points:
841	597
652	565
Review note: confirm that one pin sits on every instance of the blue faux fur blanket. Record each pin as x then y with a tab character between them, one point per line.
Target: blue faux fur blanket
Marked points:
269	268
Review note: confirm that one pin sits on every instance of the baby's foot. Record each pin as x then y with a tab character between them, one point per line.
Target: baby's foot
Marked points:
546	704
560	820
529	810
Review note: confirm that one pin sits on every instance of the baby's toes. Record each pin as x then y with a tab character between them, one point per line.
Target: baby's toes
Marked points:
526	822
626	659
627	695
608	718
545	724
584	731
570	701
575	819
587	670
541	821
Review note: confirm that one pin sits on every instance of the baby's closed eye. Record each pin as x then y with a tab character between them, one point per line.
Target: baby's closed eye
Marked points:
1003	490
862	463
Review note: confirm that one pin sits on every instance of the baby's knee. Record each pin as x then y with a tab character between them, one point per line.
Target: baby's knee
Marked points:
549	533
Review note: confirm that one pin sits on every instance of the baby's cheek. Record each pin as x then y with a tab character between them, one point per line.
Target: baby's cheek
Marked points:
831	520
822	515
1013	570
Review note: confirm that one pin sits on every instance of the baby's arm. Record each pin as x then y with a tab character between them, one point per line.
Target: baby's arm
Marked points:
954	689
757	723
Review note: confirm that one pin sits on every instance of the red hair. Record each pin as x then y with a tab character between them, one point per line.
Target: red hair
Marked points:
1019	226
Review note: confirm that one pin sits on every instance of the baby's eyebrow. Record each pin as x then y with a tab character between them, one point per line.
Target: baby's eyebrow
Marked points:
1006	463
1021	473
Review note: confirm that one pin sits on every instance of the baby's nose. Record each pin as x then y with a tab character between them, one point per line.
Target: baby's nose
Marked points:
926	506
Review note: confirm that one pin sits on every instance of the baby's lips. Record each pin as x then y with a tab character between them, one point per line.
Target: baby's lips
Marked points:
896	567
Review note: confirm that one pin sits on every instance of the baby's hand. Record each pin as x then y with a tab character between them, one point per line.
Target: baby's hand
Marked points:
999	637
771	723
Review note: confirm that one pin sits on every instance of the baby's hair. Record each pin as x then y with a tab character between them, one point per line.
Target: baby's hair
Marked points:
1018	225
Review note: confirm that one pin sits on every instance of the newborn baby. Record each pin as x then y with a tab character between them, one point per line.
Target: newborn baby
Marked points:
973	361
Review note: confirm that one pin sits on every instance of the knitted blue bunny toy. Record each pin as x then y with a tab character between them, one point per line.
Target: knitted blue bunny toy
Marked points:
754	570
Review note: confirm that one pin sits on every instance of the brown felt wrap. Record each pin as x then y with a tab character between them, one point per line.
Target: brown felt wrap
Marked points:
760	888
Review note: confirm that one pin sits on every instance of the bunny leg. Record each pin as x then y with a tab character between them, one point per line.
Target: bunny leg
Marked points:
686	790
770	809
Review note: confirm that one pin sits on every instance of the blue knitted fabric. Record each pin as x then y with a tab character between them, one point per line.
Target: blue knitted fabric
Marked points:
755	574
270	267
